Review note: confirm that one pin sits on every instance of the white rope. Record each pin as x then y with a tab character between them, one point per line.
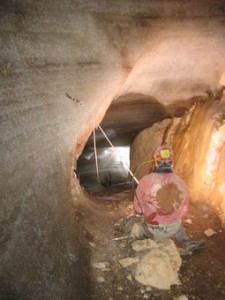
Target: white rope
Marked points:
130	172
106	136
96	156
95	149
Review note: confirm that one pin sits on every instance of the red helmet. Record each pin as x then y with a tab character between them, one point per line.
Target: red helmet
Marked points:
163	153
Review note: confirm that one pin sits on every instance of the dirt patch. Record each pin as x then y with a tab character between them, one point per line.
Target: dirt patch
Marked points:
202	274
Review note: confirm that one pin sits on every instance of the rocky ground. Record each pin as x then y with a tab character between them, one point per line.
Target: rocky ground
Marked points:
202	274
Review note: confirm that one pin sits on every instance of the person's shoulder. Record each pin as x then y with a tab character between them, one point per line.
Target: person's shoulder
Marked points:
149	176
177	179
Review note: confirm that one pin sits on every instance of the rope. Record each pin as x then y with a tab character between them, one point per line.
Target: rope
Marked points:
96	156
106	136
129	171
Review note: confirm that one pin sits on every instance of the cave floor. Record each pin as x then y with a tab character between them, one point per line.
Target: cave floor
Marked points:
202	274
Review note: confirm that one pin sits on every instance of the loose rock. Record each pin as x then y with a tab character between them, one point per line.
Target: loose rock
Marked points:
188	221
100	279
155	269
122	245
101	265
209	232
126	262
92	244
182	297
159	263
129	277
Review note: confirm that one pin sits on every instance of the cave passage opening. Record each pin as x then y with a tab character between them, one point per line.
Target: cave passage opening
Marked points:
126	117
105	166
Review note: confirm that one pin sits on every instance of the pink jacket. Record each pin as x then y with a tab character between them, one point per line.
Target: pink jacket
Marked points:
146	198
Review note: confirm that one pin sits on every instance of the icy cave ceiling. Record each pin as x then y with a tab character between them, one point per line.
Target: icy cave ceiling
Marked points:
167	57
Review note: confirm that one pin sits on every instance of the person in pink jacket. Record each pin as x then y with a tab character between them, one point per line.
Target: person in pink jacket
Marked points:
162	198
